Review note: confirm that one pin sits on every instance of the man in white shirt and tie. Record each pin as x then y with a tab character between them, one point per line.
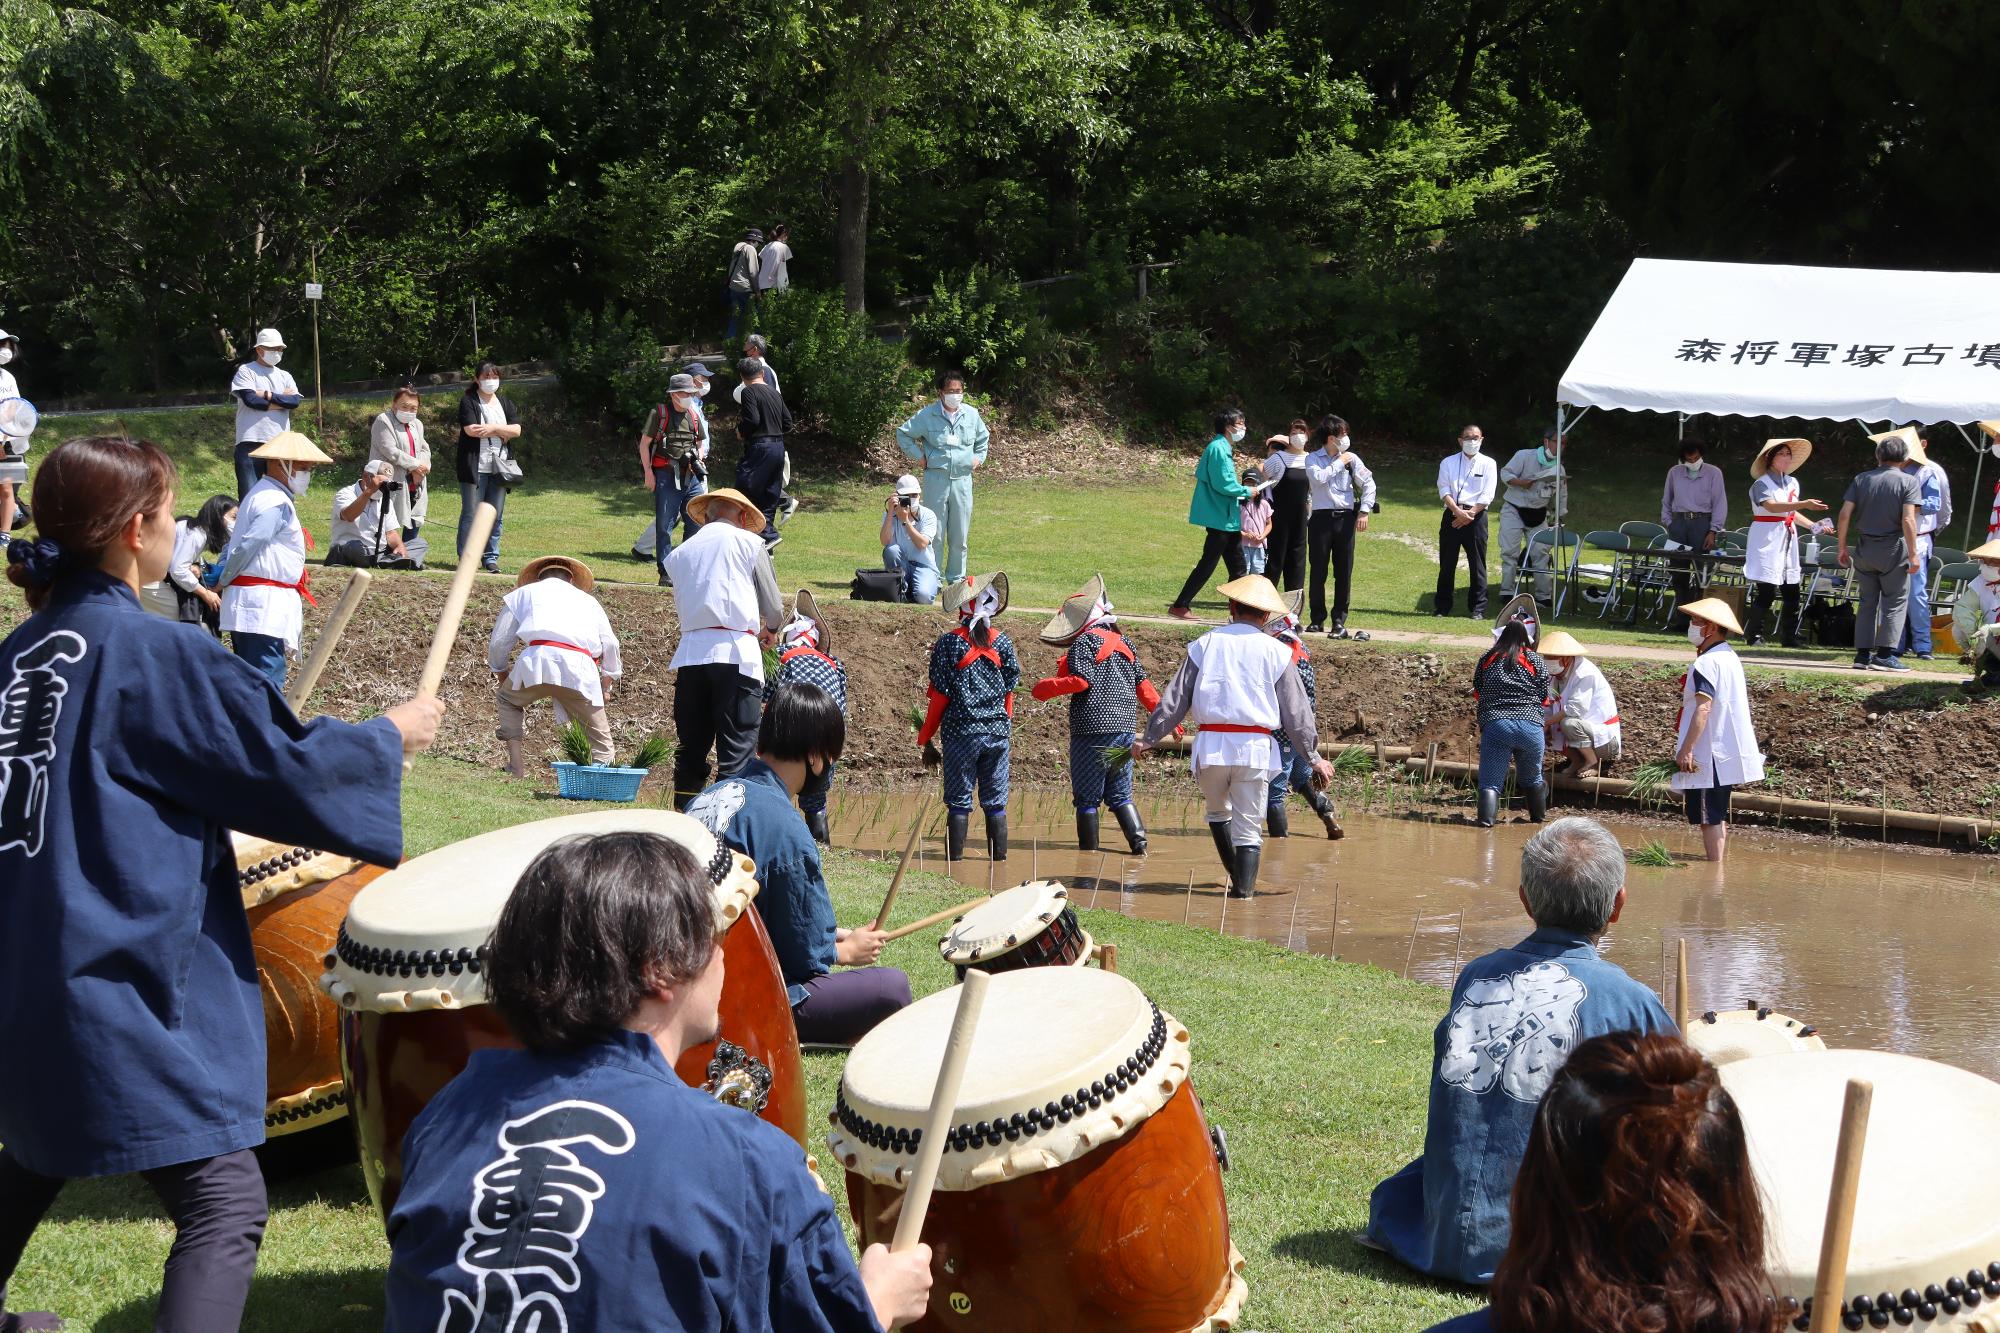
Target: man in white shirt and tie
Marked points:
1466	483
569	654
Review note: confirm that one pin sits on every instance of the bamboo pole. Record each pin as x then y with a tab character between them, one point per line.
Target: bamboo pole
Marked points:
1457	941
902	865
1187	906
1835	1241
1681	985
1333	944
1411	953
446	634
329	638
935	917
944	1105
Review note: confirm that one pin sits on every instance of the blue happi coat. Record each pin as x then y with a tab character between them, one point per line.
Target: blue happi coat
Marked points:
592	1189
1515	1016
753	814
131	1030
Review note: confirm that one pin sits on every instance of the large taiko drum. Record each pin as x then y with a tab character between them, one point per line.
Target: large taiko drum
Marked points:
1744	1034
1030	925
407	967
296	897
1081	1188
1925	1252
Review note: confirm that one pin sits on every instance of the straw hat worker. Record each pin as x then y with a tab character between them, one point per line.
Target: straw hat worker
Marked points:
1716	745
1583	717
569	654
1976	618
1771	553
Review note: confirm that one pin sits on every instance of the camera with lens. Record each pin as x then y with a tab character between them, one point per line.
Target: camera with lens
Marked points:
906	501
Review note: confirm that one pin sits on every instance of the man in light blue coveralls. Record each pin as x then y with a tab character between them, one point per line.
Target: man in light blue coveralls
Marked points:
949	439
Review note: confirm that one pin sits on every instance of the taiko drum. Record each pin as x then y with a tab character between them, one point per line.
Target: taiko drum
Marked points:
1029	925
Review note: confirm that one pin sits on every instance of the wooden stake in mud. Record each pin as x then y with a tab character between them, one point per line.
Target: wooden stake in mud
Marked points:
1681	987
1333	944
1188	906
483	519
1831	1282
1411	952
902	865
1292	926
329	637
1457	941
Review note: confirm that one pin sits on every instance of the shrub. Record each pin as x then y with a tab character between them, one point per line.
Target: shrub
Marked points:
836	371
978	323
610	365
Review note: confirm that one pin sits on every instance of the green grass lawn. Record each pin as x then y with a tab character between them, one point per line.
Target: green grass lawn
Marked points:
1316	1069
582	498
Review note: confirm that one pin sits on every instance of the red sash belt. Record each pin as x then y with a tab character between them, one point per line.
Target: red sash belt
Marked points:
1609	721
1235	729
1786	519
728	629
245	581
558	643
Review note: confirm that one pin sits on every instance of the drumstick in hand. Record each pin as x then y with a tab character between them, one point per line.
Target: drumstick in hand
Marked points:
902	866
934	918
944	1106
483	519
1830	1285
329	636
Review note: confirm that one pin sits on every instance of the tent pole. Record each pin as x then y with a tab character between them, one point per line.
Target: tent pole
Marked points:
1555	560
1972	500
1681	427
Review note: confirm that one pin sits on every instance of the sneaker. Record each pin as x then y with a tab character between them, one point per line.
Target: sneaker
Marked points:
1922	657
1862	661
1754	641
773	542
666	581
1315	628
638	554
1888	662
787	507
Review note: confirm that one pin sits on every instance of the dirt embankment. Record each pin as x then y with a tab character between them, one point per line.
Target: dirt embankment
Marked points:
1922	746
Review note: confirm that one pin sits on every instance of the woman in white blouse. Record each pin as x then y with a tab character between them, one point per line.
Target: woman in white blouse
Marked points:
181	595
397	438
487	429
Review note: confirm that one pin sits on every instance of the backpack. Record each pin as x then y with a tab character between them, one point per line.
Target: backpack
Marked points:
878	585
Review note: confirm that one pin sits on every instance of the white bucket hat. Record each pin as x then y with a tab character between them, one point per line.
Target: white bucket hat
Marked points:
270	338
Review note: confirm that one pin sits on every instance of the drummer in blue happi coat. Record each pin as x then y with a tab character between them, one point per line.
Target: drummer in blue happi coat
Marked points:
1515	1016
131	1029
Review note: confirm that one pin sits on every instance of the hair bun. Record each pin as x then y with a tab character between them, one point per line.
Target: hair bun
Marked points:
39	560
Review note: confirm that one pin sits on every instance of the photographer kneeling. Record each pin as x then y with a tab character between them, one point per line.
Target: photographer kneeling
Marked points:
909	541
359	537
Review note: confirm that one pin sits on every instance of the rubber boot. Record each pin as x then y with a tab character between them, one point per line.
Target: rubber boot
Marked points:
954	834
1086	830
1489	807
1538	803
816	821
1322	806
996	836
1243	882
1223	847
1135	830
515	767
1277	822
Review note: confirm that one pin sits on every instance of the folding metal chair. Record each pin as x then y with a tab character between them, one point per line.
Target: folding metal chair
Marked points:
1562	568
1598	573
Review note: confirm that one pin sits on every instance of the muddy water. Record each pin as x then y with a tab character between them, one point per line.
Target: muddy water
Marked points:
1879	947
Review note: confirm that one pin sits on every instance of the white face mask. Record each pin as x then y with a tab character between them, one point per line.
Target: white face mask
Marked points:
489	386
1298	439
405	416
1696	634
951	401
1343	443
1469	447
299	481
1694	468
701	390
271	356
6	355
229	526
1235	434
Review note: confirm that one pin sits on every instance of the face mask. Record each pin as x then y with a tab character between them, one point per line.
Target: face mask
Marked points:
1696	634
1469	447
489	386
229	527
406	417
951	401
1694	468
1298	439
1235	434
272	358
6	355
1547	457
299	481
701	390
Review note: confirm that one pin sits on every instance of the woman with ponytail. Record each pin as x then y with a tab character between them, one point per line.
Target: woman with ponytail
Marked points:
1634	1207
973	675
1511	686
131	1029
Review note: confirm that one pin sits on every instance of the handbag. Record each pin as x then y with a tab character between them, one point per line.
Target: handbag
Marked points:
878	585
507	469
1533	518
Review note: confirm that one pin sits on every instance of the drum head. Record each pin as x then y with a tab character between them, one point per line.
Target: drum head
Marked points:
1739	1034
18	417
1065	1059
1926	1214
1005	921
267	870
412	939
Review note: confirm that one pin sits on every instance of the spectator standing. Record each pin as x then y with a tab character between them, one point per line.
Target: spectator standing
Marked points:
909	541
1882	503
1466	484
762	423
739	284
1533	479
1254	513
726	596
1716	746
265	397
773	275
363	534
569	654
672	447
1636	1136
13	450
1291	504
1514	1015
182	595
1511	685
396	437
950	439
1343	496
1694	509
263	572
1933	516
487	428
1771	557
1216	509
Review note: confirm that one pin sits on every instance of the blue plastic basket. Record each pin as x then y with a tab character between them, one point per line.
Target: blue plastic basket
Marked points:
598	782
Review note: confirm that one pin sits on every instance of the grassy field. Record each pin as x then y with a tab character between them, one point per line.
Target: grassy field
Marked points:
1048	533
1317	1070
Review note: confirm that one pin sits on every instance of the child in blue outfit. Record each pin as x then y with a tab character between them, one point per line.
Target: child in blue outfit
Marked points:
973	676
803	659
1106	685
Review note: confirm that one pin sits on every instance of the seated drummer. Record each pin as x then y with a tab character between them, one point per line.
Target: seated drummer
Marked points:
1515	1016
802	734
579	1183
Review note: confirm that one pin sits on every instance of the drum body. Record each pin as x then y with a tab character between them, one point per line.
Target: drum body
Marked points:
1030	925
396	1061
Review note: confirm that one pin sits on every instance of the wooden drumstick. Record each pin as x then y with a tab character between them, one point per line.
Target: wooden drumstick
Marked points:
329	636
1681	987
935	917
902	866
944	1106
1831	1282
483	519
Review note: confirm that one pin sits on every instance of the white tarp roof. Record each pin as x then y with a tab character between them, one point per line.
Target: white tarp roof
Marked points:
1782	341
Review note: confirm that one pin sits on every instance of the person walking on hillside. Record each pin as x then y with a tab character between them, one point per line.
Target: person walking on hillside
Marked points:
1466	483
1291	504
1216	509
568	655
1883	504
762	423
265	397
772	273
488	425
739	284
1511	685
950	440
672	452
1694	509
1716	745
1343	495
1532	479
1771	562
396	437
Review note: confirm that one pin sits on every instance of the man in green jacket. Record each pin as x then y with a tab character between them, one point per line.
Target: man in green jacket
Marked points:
949	439
1218	496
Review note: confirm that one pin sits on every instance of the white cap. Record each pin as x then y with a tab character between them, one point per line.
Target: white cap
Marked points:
379	467
7	337
908	485
269	338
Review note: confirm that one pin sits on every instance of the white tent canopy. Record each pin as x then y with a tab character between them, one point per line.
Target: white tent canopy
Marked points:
1781	341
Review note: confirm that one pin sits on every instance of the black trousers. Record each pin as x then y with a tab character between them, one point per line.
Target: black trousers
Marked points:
1290	499
1332	538
715	705
1760	606
1689	530
1470	539
218	1208
1218	545
760	474
249	471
